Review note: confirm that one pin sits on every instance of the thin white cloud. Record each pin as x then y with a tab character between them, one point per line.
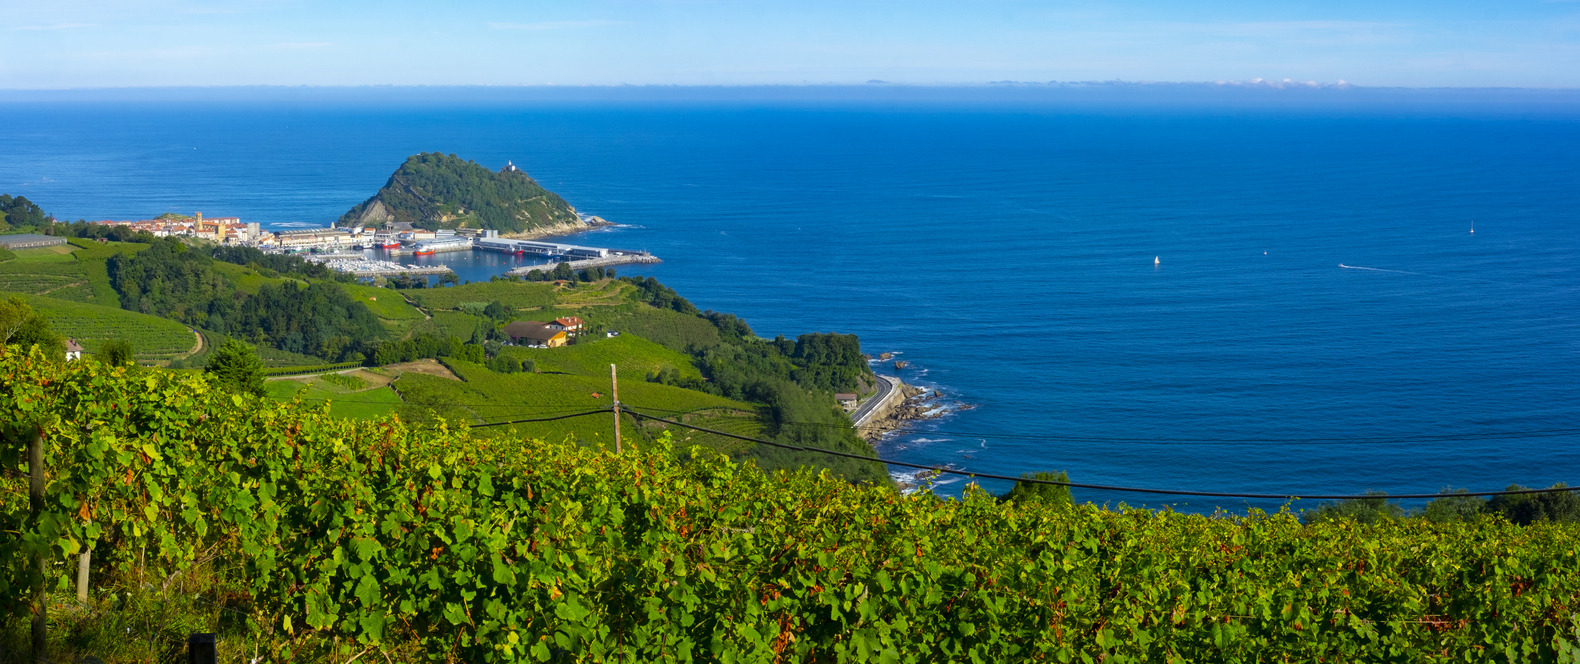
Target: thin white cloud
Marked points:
57	26
301	45
553	25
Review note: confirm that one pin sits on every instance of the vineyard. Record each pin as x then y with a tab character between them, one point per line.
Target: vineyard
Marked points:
151	337
340	539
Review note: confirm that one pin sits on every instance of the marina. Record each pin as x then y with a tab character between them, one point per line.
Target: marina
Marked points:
364	267
471	258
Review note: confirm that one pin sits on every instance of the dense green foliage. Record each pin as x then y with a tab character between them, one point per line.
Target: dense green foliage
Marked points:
115	352
352	537
434	190
278	264
1523	509
1051	494
172	281
236	368
20	213
23	328
6	255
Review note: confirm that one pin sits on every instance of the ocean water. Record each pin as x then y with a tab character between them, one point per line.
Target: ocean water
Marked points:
1136	296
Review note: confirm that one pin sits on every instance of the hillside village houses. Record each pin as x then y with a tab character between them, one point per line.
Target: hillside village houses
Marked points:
534	333
224	230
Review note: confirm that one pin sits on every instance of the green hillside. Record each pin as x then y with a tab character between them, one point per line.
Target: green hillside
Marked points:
637	358
485	396
152	337
434	190
74	271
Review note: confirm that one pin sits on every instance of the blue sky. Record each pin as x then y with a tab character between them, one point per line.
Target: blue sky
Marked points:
134	43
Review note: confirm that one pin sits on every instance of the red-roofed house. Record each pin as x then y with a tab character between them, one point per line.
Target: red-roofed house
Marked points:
568	323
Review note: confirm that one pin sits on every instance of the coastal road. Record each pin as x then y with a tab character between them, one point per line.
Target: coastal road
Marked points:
862	412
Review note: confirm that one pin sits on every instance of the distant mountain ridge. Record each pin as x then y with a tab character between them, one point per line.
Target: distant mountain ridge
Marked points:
435	190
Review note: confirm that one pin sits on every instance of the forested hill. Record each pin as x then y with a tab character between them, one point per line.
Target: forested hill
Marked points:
433	190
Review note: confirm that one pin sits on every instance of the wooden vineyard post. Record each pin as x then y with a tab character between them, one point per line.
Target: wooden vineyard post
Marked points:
35	494
614	389
84	559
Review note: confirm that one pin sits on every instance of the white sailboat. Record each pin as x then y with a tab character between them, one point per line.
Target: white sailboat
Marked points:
1472	227
1156	260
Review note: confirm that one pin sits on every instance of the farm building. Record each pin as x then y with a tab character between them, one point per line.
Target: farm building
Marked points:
568	323
73	350
29	241
533	333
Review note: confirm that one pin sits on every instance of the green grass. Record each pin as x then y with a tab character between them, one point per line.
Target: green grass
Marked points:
383	302
151	337
453	324
274	357
365	404
635	357
56	254
485	396
94	257
6	255
516	295
671	329
250	280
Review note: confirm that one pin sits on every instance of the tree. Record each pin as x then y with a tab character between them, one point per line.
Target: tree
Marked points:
1052	494
496	310
236	368
563	272
1453	507
115	352
20	326
1528	508
1363	510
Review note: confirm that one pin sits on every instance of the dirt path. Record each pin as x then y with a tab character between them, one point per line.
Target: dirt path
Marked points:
429	367
196	348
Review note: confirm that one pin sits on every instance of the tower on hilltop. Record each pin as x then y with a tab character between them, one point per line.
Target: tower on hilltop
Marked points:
511	166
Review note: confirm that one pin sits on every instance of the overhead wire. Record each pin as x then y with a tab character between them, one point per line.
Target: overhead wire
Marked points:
1103	487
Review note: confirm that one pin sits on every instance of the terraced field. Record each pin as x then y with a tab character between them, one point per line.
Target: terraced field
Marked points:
383	302
250	280
365	404
485	396
635	357
152	337
516	295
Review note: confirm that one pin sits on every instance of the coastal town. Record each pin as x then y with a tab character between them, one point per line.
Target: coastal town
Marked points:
340	248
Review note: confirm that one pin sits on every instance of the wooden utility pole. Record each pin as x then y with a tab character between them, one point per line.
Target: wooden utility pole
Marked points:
614	389
35	494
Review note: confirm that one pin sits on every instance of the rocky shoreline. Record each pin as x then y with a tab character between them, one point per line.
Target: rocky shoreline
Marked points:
582	225
920	404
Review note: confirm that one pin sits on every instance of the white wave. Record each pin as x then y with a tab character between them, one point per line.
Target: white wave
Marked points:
931	440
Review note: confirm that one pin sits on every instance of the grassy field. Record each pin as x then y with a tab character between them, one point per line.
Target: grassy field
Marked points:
516	295
635	357
250	280
383	302
484	396
671	329
152	337
60	253
93	257
366	404
454	324
74	271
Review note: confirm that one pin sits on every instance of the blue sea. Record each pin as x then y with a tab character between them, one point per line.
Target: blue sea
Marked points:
1269	300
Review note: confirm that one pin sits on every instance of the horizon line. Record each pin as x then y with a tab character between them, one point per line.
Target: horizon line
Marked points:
1257	83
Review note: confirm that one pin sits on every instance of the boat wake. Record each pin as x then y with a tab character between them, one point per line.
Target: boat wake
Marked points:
1378	269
